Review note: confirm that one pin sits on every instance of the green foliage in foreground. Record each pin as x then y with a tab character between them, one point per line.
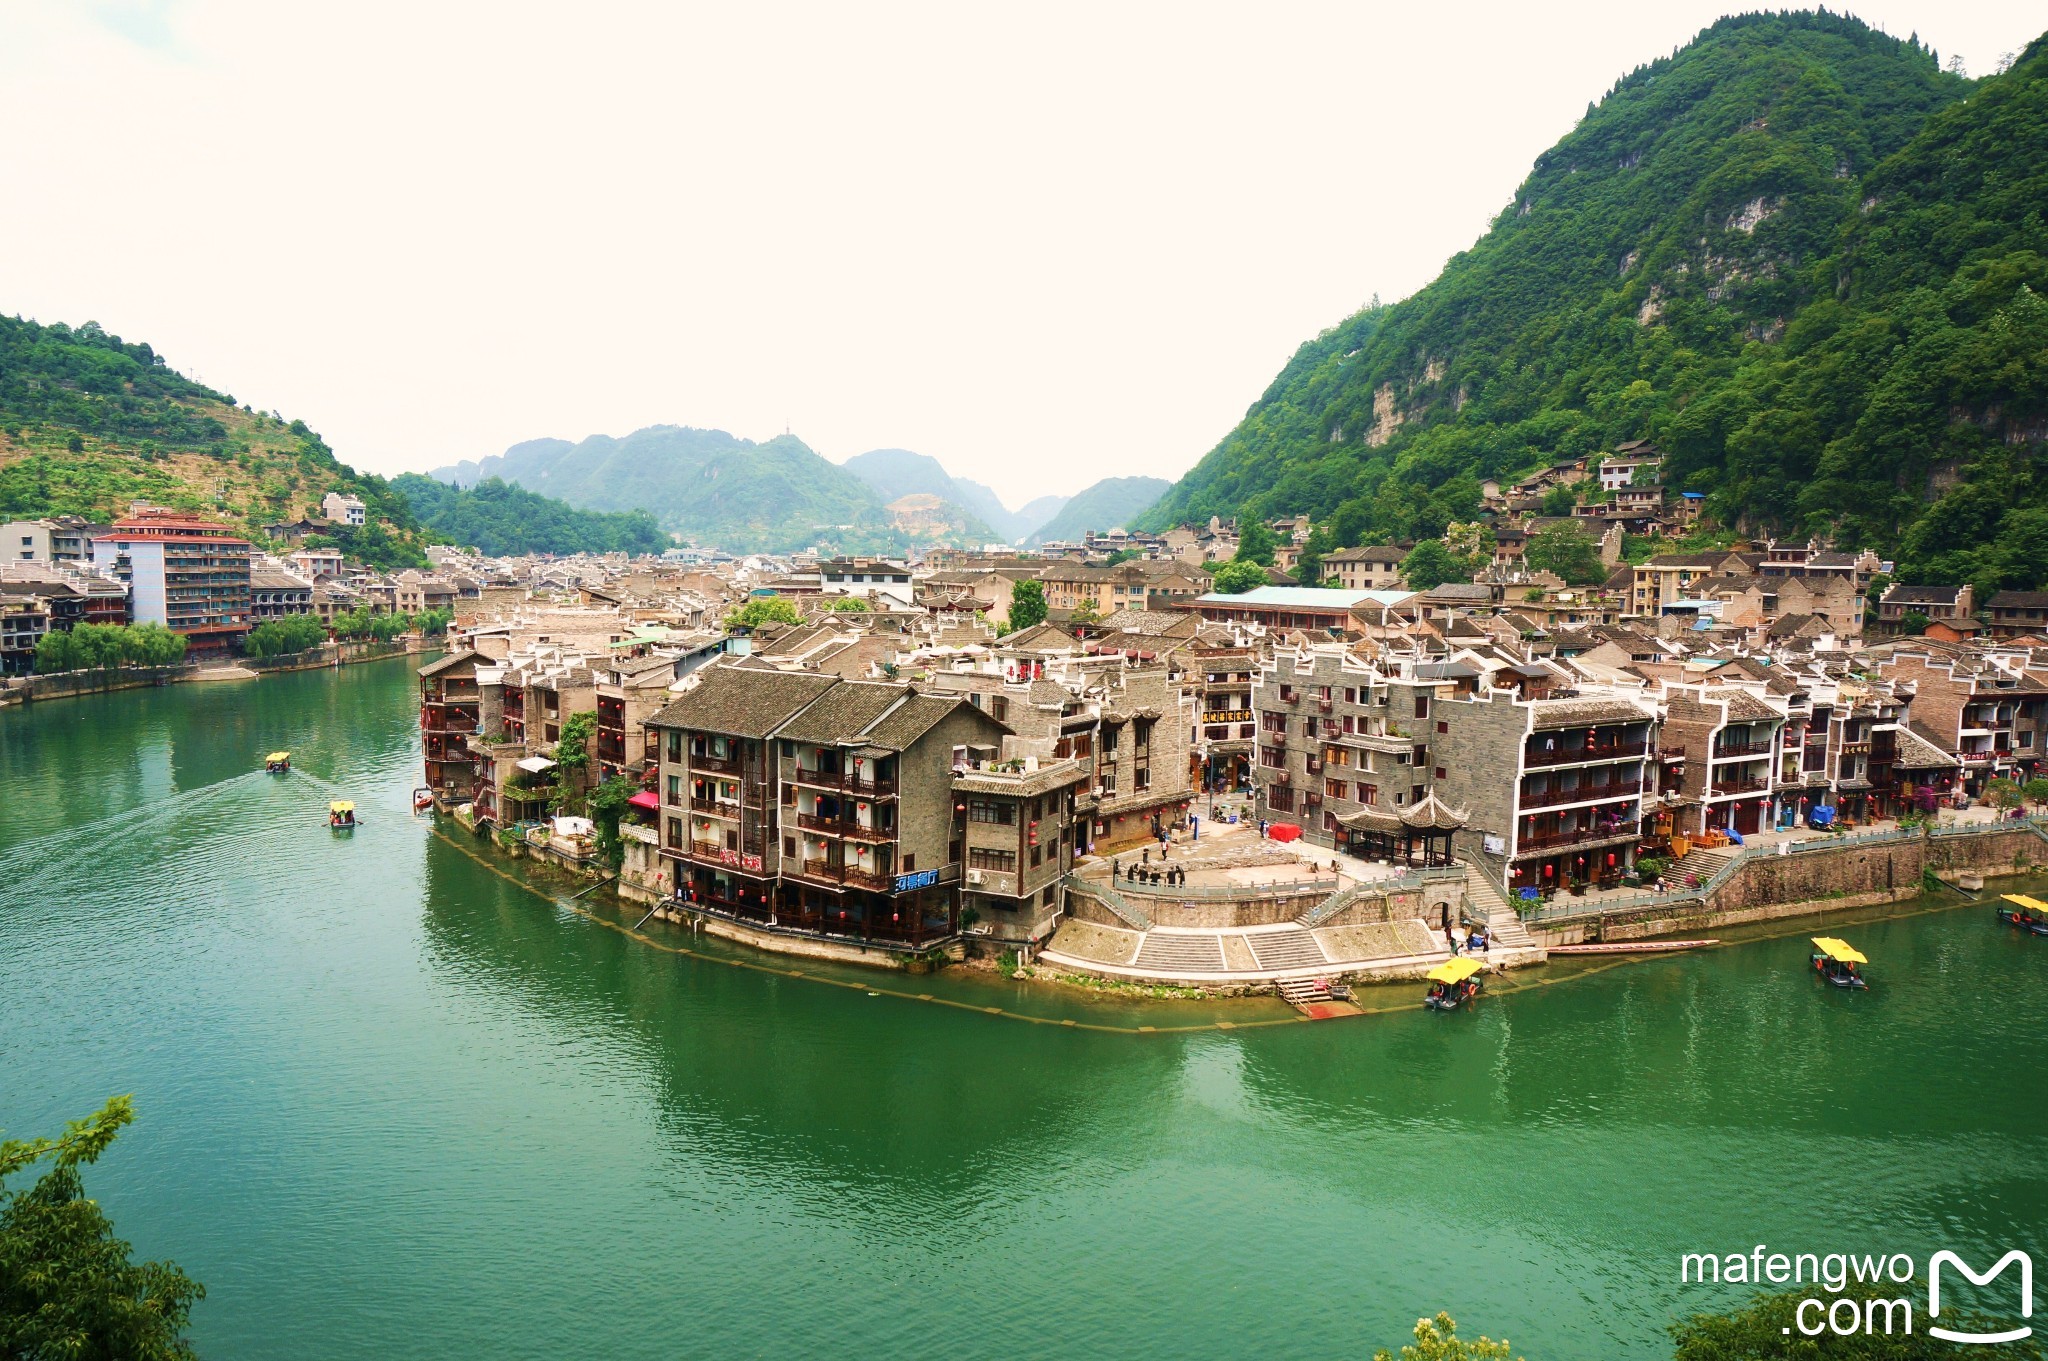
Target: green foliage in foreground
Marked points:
501	520
1436	1339
67	1286
1238	576
106	647
1793	254
1430	564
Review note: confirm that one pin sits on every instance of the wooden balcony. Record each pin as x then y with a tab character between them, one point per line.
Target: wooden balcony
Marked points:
1551	798
1564	756
1726	750
714	765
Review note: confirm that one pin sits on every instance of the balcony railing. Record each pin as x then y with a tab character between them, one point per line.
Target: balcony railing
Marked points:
714	765
826	870
1584	836
868	879
1740	786
1724	750
1560	756
1550	798
843	780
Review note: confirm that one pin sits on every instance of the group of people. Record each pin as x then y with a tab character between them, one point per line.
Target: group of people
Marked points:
1476	939
1145	872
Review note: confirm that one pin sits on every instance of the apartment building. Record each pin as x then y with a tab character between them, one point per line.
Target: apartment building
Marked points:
189	574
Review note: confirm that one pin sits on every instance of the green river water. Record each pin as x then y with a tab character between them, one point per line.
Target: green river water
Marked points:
395	1102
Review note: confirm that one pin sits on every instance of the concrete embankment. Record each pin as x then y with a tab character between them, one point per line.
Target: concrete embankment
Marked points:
68	684
1814	880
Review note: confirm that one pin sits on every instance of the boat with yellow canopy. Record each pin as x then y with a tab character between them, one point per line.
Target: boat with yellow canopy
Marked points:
1453	983
1839	962
278	762
2028	914
341	814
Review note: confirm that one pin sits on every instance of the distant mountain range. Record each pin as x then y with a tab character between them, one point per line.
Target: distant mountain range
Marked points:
722	491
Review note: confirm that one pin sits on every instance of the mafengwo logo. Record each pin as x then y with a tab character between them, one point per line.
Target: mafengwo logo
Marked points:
1864	1311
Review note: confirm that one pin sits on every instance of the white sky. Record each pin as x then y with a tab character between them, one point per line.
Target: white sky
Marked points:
1043	242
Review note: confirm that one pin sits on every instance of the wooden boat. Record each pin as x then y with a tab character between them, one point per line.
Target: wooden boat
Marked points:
341	815
1631	947
278	763
1839	963
1453	983
422	799
2028	914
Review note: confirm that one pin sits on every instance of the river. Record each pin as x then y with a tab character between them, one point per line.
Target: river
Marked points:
396	1098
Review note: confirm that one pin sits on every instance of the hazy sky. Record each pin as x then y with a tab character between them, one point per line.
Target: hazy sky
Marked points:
1043	242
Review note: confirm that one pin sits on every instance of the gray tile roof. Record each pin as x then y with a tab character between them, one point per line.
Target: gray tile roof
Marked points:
743	702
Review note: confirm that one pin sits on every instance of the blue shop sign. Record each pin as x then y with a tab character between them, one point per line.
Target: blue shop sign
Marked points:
922	879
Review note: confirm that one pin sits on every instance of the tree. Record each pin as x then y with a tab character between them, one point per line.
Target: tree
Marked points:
283	637
1914	622
1027	606
2005	795
1559	500
849	604
67	1286
1238	576
1255	542
572	749
1308	568
1436	1339
56	651
607	805
1568	551
1430	564
2037	791
1769	1329
767	609
1473	542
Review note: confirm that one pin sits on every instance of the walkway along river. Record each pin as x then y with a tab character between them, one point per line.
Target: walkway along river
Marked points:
399	1097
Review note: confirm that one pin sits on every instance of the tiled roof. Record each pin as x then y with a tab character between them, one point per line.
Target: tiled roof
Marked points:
743	702
843	713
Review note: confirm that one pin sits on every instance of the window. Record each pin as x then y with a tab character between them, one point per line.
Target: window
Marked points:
1422	706
1440	772
1368	793
675	834
981	858
1270	757
1280	800
991	811
1037	854
1442	726
1351	694
1275	723
675	789
789	847
1334	788
909	863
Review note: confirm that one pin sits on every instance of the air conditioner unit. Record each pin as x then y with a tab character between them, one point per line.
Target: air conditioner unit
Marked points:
974	876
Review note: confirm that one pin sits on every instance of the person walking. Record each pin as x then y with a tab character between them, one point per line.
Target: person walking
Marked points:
1451	939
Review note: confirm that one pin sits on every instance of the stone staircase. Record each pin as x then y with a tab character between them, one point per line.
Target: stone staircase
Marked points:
1292	948
1698	868
1125	912
1181	951
1503	923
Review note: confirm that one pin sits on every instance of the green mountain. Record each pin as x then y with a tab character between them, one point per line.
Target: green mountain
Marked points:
897	473
1112	503
90	423
706	485
1797	254
501	520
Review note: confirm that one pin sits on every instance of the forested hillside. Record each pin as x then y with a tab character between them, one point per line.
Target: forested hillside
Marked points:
1112	503
711	487
90	423
501	520
1797	254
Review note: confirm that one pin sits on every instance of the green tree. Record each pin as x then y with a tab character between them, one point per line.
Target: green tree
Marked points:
849	604
1436	1339
1473	542
1238	576
151	644
1558	500
1768	1329
572	749
1027	606
283	637
1430	564
1914	622
767	609
56	651
2006	795
67	1286
2037	792
607	806
1567	550
1308	568
1255	541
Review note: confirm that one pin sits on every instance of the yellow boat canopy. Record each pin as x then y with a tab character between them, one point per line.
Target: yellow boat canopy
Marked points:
278	756
1841	951
341	806
2031	904
1454	971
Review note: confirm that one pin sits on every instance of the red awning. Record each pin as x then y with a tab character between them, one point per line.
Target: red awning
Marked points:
647	799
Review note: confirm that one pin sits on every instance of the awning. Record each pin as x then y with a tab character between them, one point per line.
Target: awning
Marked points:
647	799
535	764
1454	971
278	756
1840	950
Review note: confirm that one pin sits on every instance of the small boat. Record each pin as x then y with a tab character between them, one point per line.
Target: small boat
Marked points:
2028	914
1631	947
422	799
278	763
341	815
1839	962
1453	983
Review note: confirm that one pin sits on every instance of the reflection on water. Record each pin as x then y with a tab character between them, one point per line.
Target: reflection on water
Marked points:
393	1103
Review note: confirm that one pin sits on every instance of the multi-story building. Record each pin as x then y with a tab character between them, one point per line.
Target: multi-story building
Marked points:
1375	568
1225	723
318	564
1951	607
803	802
450	714
274	594
2016	614
1729	741
189	574
1987	709
344	509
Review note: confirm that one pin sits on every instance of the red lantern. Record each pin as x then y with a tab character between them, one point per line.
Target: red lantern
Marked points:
1610	857
1549	870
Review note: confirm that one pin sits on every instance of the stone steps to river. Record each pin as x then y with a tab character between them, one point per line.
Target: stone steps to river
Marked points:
1194	951
1292	948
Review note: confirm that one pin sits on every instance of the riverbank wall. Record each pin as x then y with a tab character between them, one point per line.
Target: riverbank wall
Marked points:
1813	881
70	684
